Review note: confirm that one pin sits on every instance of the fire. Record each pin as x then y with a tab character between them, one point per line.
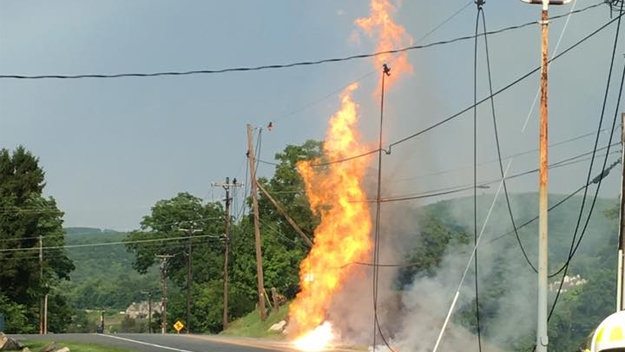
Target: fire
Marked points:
317	339
390	36
335	193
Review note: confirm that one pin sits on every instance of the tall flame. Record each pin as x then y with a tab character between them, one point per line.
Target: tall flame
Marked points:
390	36
335	193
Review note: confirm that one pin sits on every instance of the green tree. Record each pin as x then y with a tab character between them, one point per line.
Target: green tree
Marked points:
172	225
26	215
283	249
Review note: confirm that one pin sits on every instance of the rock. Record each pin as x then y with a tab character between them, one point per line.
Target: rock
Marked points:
64	349
51	347
9	343
278	326
26	349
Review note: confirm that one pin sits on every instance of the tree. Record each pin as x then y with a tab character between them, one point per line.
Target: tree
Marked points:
283	249
174	224
26	215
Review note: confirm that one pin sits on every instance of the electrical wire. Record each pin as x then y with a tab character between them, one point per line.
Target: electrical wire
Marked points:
469	108
479	4
499	237
461	188
370	74
573	250
99	244
376	235
566	267
279	66
498	144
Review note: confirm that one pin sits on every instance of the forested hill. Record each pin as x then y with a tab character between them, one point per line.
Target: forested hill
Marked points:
104	277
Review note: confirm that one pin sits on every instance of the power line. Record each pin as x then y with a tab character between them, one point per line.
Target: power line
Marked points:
501	172
279	66
469	108
371	73
572	250
479	4
461	188
522	225
108	243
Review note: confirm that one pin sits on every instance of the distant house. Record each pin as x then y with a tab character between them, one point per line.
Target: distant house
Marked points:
570	282
140	310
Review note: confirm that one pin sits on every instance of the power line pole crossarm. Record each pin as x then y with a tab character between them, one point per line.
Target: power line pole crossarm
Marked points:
254	193
226	186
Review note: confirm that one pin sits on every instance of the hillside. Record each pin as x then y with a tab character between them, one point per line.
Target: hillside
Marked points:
104	277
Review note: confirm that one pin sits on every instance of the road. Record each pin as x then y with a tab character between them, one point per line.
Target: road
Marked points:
169	342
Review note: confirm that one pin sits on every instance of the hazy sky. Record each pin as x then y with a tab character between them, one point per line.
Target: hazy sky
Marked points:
112	148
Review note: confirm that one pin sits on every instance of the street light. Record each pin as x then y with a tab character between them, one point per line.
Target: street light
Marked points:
542	337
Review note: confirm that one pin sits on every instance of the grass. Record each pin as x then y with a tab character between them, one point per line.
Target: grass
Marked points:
251	325
75	346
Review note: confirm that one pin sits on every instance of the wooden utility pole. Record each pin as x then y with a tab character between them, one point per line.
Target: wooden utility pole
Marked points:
164	259
189	233
542	337
259	256
227	187
620	302
41	314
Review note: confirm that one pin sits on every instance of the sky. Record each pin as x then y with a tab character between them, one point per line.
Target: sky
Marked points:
112	148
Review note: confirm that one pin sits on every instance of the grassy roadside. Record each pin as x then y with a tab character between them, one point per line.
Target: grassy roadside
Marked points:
251	325
75	346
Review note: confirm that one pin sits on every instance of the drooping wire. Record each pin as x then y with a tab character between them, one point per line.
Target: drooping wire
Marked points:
574	247
498	144
603	108
475	260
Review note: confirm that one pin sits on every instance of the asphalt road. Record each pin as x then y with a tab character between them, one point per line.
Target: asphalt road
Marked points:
169	342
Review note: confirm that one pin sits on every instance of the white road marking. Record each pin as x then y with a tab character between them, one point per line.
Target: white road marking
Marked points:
144	343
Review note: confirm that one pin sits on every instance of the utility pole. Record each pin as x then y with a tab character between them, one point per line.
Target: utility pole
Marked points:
620	303
227	187
542	337
41	303
149	293
189	232
164	259
259	256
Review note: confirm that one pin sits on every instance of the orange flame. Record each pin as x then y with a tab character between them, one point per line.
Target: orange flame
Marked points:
390	36
335	193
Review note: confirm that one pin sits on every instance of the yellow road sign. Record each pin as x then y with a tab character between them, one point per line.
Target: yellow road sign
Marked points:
178	326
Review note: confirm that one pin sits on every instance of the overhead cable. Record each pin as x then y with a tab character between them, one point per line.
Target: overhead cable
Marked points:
277	66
